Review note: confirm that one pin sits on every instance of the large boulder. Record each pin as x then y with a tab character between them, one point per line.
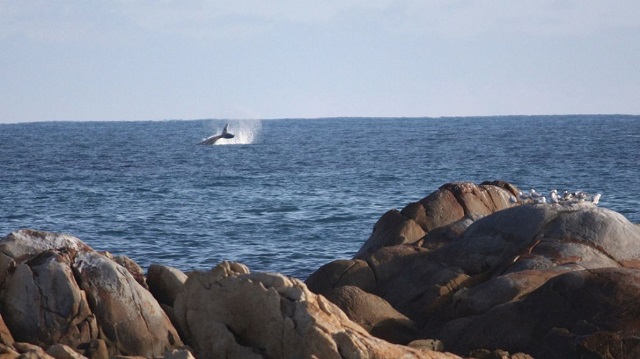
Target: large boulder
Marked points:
493	258
58	290
452	203
232	313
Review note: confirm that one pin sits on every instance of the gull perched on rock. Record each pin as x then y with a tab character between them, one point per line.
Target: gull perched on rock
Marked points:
581	196
534	194
523	196
567	198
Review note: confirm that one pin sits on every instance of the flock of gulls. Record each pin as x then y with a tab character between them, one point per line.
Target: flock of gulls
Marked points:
567	198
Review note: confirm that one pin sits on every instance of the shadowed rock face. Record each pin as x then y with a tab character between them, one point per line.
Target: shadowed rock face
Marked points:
374	314
490	275
57	290
592	310
165	283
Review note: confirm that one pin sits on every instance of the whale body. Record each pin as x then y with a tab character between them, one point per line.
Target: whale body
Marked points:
213	139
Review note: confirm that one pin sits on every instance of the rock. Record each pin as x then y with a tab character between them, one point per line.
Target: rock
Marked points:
130	319
427	344
165	282
57	290
354	272
374	314
451	203
607	345
96	349
27	242
134	269
596	303
8	352
229	312
61	351
392	229
42	303
485	258
515	253
30	351
497	354
178	354
436	210
438	237
489	354
544	237
5	335
35	355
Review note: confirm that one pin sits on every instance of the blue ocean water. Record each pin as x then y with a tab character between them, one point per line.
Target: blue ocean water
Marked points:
287	195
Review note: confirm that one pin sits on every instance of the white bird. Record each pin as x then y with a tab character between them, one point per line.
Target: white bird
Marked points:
581	196
554	196
534	194
596	198
522	196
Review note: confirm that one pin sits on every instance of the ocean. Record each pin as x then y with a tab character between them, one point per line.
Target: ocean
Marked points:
287	195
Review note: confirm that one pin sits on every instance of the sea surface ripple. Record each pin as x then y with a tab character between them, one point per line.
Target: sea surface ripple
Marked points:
287	195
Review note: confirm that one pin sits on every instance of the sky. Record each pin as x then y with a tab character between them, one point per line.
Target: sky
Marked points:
247	59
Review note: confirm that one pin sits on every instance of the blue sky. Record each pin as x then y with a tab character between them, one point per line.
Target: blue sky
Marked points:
155	60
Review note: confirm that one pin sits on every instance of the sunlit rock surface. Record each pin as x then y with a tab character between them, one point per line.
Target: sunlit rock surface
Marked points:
232	313
57	290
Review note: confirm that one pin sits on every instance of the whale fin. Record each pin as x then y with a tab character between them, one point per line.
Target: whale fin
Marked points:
225	132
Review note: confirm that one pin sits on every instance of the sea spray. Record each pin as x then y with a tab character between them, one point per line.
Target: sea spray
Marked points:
245	132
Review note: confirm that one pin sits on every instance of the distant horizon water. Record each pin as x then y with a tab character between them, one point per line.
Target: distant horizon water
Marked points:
313	118
287	195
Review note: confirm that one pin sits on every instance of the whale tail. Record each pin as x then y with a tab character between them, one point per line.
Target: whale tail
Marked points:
213	139
225	132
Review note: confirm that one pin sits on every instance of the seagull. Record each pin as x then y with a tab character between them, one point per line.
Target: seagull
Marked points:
523	196
554	196
596	198
534	194
581	196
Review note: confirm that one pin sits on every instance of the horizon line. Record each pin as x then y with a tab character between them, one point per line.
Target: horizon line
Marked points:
331	118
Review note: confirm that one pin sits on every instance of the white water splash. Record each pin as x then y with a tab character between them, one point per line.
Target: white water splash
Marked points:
245	132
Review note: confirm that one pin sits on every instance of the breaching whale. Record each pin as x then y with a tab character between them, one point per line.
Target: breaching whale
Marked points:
211	140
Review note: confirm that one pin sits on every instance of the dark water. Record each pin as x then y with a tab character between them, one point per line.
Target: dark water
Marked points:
287	195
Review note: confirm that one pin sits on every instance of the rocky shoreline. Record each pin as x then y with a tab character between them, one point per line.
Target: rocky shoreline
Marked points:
468	271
